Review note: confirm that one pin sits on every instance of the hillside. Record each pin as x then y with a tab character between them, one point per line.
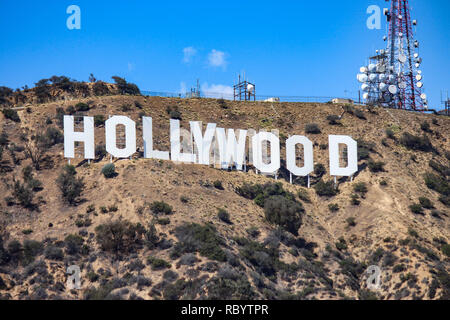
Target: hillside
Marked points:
129	247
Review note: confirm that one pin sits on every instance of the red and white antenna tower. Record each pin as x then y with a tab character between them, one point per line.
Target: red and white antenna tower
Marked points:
404	58
393	77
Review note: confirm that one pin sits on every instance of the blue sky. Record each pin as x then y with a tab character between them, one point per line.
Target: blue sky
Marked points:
288	48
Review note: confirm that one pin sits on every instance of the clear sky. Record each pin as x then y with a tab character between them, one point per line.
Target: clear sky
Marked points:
288	48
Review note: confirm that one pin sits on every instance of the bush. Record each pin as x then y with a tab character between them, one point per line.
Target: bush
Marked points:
173	112
223	215
73	244
354	200
333	119
158	207
54	253
375	166
443	170
425	126
218	184
416	208
259	193
399	268
446	249
109	170
304	195
81	106
436	183
31	249
413	142
341	244
100	151
312	128
126	88
119	236
390	133
333	207
23	194
426	203
71	187
325	189
359	114
99	120
199	238
158	264
351	221
445	200
284	212
360	187
100	88
11	115
319	170
364	149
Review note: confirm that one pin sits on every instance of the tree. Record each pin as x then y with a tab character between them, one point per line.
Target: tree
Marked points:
35	149
126	88
92	78
71	187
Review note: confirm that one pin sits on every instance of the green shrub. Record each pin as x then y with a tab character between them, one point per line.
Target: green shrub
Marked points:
426	203
304	195
354	200
390	133
100	151
341	244
99	120
173	112
413	233
446	249
325	189
109	170
11	115
100	88
223	215
425	126
351	221
416	208
81	107
333	119
218	184
23	194
399	268
71	187
445	200
359	114
54	253
443	170
360	187
163	221
158	264
364	149
413	142
158	207
74	244
259	193
437	183
333	207
319	169
312	128
284	212
375	166
126	88
119	236
31	249
199	238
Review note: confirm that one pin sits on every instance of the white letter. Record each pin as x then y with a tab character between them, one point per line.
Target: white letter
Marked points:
147	132
203	143
74	21
70	136
175	148
274	152
231	150
291	165
352	155
130	136
374	21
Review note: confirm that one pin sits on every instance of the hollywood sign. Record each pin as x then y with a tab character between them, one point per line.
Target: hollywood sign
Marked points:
231	149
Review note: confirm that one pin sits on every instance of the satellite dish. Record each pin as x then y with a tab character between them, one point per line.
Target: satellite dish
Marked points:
381	68
400	16
392	89
372	67
402	85
365	87
250	87
363	69
365	96
419	71
415	22
383	86
362	77
373	77
419	84
419	77
423	96
400	34
391	78
382	77
402	58
416	55
417	65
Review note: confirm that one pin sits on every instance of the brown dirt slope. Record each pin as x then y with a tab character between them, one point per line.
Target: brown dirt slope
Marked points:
326	260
